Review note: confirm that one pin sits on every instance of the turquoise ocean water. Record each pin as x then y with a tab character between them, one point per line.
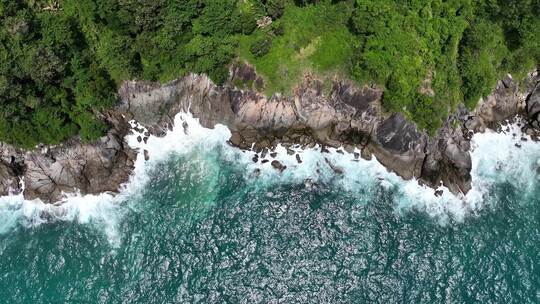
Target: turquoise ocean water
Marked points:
201	223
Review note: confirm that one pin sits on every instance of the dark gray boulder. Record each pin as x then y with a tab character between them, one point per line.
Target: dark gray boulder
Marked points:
533	104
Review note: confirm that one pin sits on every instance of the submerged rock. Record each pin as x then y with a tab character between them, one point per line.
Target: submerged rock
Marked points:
278	165
336	169
365	154
185	127
146	155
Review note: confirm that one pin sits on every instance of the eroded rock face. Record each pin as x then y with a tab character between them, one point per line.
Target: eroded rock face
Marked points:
9	182
347	115
11	167
448	161
533	106
505	102
90	168
399	146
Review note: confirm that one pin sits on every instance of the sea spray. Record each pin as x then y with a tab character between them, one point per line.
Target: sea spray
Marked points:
510	156
106	210
362	179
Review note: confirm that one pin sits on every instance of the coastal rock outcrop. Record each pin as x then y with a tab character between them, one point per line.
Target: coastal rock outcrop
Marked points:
342	115
533	106
506	101
10	168
346	115
448	161
50	172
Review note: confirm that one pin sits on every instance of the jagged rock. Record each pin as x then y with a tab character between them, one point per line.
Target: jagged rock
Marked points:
400	146
256	172
235	139
185	127
505	102
448	161
336	169
9	182
365	154
533	104
278	165
348	116
146	155
89	168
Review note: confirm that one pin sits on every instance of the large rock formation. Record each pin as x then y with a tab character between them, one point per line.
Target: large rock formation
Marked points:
533	106
448	161
347	115
344	115
74	166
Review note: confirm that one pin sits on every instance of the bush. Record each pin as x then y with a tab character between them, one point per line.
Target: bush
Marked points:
261	47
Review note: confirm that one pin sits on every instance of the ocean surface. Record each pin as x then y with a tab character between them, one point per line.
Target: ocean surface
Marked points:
200	222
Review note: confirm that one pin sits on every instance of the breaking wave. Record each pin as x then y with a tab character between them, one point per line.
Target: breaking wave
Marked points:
506	157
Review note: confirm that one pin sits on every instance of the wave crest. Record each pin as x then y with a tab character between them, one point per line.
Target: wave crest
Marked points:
507	157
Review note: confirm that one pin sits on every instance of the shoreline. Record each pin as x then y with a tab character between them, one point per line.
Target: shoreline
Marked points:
496	161
349	116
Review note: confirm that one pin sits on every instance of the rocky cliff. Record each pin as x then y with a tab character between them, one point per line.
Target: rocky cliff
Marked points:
345	115
340	115
75	166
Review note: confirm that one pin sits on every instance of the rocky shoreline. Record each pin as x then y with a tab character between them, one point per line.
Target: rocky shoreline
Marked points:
341	116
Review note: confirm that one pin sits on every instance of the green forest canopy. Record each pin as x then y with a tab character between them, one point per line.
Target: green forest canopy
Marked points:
62	60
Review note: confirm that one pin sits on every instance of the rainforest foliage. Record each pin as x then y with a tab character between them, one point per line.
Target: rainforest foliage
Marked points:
61	61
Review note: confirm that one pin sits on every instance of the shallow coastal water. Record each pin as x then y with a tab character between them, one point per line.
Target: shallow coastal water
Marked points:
202	223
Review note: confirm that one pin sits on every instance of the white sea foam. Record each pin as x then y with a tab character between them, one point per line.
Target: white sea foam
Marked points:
495	159
100	209
363	179
509	156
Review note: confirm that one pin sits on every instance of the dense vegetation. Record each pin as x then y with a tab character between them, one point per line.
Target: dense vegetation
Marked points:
62	60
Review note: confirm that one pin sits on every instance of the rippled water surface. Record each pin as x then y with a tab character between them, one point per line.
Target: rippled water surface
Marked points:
204	228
